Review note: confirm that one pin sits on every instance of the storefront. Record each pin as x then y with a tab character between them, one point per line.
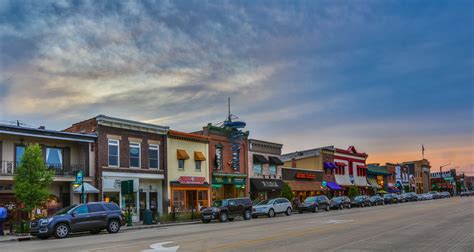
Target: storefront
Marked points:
263	189
189	193
304	183
225	186
146	192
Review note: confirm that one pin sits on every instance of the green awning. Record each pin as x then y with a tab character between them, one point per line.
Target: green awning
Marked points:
216	185
377	170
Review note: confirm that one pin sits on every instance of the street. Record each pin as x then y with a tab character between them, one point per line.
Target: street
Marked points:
435	225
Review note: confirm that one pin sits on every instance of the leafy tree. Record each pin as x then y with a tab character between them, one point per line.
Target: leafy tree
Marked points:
32	178
286	192
353	192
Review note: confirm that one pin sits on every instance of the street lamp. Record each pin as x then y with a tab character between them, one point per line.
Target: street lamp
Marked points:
441	173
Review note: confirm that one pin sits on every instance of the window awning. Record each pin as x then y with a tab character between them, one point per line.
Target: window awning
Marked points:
88	188
259	159
275	160
330	165
343	180
333	186
182	154
266	184
199	156
340	164
373	183
360	181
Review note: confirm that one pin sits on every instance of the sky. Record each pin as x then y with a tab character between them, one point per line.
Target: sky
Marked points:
384	76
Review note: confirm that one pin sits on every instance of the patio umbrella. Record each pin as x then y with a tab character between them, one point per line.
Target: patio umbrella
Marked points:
88	188
381	192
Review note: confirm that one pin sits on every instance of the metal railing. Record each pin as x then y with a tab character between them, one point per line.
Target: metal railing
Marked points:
7	168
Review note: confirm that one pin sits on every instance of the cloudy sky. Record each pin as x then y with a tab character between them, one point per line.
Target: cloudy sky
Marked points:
385	76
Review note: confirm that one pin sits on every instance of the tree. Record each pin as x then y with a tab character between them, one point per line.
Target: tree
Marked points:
32	179
353	192
286	192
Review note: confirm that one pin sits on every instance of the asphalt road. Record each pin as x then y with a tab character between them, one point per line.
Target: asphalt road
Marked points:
436	225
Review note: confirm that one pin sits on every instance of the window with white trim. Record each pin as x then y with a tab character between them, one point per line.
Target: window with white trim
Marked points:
154	156
114	153
134	149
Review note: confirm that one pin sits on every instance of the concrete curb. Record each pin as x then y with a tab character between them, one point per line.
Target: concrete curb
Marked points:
9	238
160	225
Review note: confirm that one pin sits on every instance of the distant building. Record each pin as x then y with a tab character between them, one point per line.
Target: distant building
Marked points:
352	168
419	175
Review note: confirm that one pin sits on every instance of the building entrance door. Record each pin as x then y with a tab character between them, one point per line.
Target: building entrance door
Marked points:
142	203
228	191
191	199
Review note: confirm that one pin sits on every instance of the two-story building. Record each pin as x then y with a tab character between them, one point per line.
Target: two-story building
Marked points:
188	171
352	170
64	153
264	169
228	161
129	151
419	175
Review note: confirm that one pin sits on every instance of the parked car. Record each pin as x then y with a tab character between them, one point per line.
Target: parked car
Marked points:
227	209
467	193
400	198
340	202
376	200
445	195
390	198
361	201
272	207
435	194
314	203
419	197
92	217
428	196
409	196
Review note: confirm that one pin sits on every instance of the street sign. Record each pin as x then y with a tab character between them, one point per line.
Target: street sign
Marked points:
79	177
325	183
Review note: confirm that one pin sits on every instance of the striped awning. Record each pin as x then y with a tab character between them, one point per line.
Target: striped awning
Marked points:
373	183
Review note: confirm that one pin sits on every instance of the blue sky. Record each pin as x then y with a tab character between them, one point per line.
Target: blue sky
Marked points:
385	76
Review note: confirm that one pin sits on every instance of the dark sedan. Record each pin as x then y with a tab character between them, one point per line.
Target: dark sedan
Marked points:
376	200
361	201
390	198
410	196
313	204
340	202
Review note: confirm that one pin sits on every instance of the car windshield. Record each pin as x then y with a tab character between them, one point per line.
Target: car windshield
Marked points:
387	195
311	199
64	210
219	203
265	202
359	197
337	198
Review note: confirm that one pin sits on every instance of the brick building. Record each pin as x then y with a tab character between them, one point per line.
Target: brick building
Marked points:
129	150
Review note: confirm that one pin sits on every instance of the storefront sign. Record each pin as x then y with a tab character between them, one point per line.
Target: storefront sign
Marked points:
228	180
302	175
191	180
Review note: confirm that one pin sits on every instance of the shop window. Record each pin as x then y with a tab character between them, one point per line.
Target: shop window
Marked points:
153	156
113	153
178	199
134	155
54	158
257	168
198	165
181	164
272	169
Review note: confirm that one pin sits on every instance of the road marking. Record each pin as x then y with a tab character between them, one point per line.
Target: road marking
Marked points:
330	221
158	247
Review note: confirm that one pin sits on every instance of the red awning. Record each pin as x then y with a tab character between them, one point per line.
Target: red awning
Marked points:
362	166
340	164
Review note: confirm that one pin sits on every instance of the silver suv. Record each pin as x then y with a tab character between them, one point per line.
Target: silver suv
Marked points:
271	207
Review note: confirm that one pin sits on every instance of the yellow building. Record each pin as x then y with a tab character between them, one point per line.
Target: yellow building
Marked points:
187	171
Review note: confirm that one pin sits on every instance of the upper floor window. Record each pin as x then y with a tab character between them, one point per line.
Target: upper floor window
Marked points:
218	158
153	155
257	168
181	164
272	169
54	157
19	151
198	165
113	153
135	155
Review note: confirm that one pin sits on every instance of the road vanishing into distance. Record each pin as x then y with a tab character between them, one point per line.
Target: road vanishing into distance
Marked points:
435	225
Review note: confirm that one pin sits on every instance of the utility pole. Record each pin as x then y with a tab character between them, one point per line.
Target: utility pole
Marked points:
441	173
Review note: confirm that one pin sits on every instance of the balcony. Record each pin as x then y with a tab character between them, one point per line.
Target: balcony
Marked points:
8	169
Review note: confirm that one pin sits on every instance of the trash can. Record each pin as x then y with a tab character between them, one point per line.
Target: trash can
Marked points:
147	217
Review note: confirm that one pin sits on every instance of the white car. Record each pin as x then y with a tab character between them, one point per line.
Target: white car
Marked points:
428	196
271	207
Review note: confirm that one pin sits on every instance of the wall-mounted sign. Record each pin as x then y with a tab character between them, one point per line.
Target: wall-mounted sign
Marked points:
302	175
228	180
191	180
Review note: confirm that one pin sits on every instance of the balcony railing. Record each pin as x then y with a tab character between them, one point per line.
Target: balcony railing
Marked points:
7	168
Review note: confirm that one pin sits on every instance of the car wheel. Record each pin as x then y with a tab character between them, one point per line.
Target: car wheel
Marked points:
61	230
206	221
315	209
223	217
341	207
350	206
113	226
96	231
247	215
288	211
327	208
271	213
43	237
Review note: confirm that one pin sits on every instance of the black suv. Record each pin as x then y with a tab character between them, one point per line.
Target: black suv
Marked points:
313	204
227	209
93	217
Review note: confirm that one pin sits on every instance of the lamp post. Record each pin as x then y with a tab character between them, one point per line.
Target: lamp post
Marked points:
441	173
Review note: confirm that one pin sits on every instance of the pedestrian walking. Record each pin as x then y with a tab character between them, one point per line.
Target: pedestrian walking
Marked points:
3	218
